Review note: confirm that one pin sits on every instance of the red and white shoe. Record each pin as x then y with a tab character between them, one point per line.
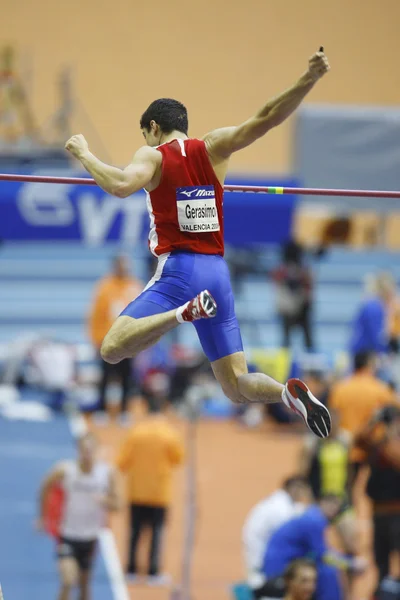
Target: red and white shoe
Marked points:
202	306
300	400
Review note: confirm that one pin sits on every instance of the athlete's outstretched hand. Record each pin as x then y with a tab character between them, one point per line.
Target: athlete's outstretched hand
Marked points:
318	65
77	146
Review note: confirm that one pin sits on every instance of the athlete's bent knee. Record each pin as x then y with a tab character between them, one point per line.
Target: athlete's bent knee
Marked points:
110	352
234	395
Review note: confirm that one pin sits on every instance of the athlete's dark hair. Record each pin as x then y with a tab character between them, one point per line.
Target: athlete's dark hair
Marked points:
169	114
294	567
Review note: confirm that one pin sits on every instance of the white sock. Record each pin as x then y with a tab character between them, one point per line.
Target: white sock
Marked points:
179	312
284	398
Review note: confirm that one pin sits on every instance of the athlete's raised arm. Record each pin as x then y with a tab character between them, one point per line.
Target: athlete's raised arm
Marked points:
221	143
118	182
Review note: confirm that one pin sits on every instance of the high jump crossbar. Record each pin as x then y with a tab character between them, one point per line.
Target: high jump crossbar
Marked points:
228	188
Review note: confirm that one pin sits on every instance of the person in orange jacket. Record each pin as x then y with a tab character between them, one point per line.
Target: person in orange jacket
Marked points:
112	294
148	456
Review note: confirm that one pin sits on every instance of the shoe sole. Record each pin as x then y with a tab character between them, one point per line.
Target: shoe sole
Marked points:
315	415
205	297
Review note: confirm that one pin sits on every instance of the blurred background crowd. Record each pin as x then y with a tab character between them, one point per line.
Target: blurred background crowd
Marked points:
316	290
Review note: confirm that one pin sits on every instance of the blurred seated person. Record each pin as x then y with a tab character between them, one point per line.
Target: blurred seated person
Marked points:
53	368
304	537
265	517
294	288
113	292
356	399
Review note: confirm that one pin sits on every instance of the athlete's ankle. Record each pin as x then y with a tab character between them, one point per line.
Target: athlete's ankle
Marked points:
181	314
202	306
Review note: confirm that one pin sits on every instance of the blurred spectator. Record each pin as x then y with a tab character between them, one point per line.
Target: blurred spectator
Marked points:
294	286
16	120
42	363
304	537
380	439
300	580
324	464
53	368
394	325
189	366
89	491
150	453
113	293
265	518
370	327
355	400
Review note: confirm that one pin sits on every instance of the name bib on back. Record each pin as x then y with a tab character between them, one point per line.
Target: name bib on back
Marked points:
197	211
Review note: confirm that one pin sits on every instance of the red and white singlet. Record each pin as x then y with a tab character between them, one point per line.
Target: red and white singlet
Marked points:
186	208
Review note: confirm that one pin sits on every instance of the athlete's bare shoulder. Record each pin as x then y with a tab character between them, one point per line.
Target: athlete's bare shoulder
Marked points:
146	164
147	154
218	158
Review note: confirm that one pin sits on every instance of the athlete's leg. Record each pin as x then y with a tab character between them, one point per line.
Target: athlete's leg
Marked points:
129	336
222	344
68	570
241	386
166	302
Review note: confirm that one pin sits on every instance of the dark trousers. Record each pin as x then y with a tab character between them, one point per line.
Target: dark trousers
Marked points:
386	541
303	321
143	516
120	372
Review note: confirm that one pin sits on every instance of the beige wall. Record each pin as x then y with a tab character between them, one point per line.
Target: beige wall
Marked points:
222	58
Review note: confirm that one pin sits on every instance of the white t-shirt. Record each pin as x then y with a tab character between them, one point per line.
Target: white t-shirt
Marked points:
262	521
83	515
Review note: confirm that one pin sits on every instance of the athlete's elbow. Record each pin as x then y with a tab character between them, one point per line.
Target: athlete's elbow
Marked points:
121	191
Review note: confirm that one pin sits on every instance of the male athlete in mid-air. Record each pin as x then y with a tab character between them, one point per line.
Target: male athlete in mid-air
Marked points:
184	179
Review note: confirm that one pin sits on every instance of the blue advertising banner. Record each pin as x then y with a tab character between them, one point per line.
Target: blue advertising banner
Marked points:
38	211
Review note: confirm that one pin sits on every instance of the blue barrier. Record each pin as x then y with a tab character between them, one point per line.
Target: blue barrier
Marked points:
40	211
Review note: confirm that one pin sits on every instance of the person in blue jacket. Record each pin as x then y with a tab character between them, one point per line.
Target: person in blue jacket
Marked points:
369	332
304	537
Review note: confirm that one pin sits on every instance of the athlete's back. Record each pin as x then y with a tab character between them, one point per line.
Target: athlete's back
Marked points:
186	207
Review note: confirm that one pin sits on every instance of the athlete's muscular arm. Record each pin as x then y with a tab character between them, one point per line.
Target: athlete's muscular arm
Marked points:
118	182
221	143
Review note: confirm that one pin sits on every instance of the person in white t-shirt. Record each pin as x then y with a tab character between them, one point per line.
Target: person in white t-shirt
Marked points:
265	518
89	491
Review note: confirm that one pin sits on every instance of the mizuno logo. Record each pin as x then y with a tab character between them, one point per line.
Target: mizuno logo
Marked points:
189	194
198	193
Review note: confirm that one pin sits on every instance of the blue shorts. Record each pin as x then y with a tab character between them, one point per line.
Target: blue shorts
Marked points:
181	276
